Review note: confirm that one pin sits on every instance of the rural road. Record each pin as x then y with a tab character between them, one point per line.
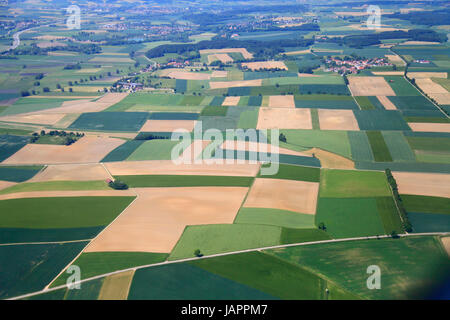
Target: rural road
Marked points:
227	254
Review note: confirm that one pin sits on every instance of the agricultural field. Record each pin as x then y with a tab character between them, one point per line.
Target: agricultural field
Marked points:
250	151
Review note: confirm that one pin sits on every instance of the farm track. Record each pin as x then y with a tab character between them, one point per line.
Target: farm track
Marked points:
46	290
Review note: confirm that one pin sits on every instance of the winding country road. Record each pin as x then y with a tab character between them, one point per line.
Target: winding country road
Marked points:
227	254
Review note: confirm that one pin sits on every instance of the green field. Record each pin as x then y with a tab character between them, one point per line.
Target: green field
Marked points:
186	281
274	217
29	268
349	217
145	181
63	212
211	239
351	184
379	148
153	150
426	204
291	172
18	173
407	265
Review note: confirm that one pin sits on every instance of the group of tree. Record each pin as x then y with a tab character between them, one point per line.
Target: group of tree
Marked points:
406	224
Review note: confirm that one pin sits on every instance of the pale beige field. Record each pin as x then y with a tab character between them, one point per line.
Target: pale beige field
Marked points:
189	75
168	125
308	75
108	59
45	119
297	196
387	104
231	101
415	43
331	160
286	101
167	167
284	118
423	184
243	51
87	149
370	86
259	147
72	172
6	184
337	120
434	90
116	286
156	219
56	194
48	44
446	244
265	65
82	106
219	74
66	121
237	83
292	53
429	127
223	57
426	75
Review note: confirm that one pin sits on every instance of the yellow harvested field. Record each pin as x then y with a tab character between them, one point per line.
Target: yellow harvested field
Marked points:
57	194
297	196
286	101
292	53
243	51
223	57
370	86
446	244
91	70
395	59
337	120
434	90
168	167
429	127
387	104
72	172
423	184
156	219
168	125
416	43
184	75
87	149
265	65
331	160
85	88
81	106
284	118
231	101
48	37
219	74
46	119
259	147
233	84
116	286
427	75
6	184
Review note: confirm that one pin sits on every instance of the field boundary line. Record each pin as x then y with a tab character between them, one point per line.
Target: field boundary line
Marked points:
79	254
43	242
46	290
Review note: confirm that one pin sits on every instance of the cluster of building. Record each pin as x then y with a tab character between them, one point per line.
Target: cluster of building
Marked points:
153	30
352	65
